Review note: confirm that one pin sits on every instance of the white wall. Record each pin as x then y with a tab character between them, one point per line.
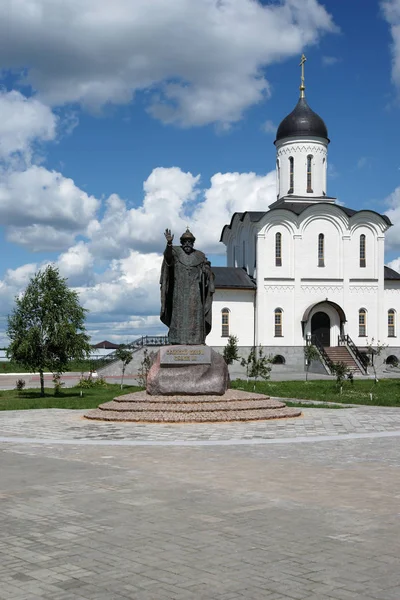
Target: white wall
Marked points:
241	306
299	150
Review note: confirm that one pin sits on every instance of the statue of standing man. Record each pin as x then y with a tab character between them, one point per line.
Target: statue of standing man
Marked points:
187	288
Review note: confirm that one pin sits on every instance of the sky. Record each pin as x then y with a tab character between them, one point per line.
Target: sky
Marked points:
121	119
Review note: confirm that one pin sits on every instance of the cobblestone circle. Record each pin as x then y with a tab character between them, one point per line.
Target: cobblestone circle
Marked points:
70	425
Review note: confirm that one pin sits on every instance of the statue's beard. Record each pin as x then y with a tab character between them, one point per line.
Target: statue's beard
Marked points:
188	249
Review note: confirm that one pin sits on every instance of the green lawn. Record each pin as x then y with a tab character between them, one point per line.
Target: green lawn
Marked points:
74	365
68	398
384	393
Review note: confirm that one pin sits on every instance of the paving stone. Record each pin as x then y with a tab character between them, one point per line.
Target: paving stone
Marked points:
313	517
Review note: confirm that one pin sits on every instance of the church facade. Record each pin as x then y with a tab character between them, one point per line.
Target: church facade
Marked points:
307	269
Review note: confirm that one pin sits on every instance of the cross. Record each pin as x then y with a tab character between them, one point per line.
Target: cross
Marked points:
302	86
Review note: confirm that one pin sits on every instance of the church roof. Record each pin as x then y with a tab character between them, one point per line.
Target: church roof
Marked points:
233	277
391	274
302	122
297	208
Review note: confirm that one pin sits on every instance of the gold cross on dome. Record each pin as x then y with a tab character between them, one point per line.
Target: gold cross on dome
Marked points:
302	86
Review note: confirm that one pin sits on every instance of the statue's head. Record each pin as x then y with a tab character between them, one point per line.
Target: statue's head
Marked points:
187	241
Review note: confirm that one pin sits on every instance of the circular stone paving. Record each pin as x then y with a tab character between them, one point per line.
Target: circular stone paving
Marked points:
61	426
234	405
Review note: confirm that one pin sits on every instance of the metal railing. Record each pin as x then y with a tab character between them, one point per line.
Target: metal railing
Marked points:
361	360
135	346
326	361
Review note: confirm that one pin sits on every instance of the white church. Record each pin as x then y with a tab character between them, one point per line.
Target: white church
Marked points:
306	270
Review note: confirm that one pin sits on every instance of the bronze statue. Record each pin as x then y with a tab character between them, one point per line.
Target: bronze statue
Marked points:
187	288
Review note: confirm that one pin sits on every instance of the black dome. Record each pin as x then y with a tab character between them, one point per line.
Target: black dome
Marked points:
302	122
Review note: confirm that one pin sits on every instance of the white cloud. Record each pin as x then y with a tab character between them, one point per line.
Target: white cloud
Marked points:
77	265
40	238
202	61
329	61
174	200
269	127
391	11
362	162
23	122
395	264
42	209
393	234
129	287
132	239
20	276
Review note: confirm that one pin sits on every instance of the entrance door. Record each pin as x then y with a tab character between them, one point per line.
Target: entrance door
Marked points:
321	327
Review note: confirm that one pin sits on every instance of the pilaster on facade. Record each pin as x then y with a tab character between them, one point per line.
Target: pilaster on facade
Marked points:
346	243
381	317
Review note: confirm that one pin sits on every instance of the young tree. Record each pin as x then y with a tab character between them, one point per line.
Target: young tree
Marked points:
47	326
341	371
375	349
257	365
231	351
125	356
310	354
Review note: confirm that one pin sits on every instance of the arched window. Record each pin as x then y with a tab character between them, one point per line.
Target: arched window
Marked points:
278	249
321	250
278	177
278	322
362	322
392	360
363	258
391	322
225	322
291	175
278	360
309	173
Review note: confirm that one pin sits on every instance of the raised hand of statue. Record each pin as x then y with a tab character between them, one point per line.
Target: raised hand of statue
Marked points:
168	236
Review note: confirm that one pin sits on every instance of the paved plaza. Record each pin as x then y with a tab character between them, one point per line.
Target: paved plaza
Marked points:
305	508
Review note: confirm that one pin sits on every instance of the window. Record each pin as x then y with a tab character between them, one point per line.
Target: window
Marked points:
255	251
362	251
244	255
225	322
309	168
321	250
362	322
392	360
278	250
291	175
278	176
278	360
391	323
278	322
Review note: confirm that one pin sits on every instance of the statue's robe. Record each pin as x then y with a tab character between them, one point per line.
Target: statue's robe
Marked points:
187	287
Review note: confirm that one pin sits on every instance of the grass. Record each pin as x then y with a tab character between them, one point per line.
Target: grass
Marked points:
78	366
384	393
68	397
309	405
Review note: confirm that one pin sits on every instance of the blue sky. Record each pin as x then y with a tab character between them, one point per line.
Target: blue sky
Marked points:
119	121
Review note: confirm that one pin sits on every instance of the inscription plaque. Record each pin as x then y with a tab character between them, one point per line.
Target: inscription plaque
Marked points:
185	355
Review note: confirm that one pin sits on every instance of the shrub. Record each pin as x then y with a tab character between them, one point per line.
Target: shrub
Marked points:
20	384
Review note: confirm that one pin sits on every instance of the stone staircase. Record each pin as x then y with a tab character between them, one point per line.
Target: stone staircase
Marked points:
234	405
342	354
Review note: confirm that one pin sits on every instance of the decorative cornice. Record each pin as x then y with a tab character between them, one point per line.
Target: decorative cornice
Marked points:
279	288
289	149
363	289
310	289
